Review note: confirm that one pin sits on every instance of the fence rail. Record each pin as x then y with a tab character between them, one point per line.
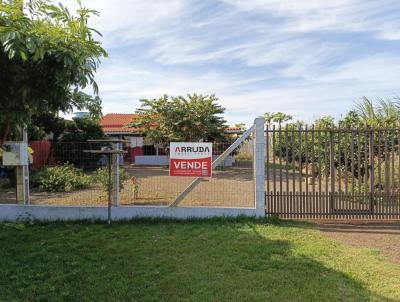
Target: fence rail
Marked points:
335	173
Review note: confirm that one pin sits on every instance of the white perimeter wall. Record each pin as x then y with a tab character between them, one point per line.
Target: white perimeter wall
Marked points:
53	213
12	212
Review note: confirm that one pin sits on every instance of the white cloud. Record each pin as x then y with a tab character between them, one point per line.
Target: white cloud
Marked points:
379	73
332	92
308	58
380	17
125	20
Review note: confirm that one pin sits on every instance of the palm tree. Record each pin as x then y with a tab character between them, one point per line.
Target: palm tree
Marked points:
280	117
268	116
385	114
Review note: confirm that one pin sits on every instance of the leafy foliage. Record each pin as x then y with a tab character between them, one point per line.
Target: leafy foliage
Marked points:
44	124
276	117
241	126
72	144
47	55
349	150
101	177
65	178
192	118
81	130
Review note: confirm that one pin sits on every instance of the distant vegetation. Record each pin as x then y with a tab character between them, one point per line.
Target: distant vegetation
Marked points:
352	151
381	113
194	117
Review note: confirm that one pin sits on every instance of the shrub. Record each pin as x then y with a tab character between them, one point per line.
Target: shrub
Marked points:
244	156
135	186
65	178
101	177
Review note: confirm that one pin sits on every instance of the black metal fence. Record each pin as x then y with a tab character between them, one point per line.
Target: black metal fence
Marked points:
333	173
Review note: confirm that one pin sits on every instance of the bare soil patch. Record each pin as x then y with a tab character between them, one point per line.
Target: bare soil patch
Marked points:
229	187
383	236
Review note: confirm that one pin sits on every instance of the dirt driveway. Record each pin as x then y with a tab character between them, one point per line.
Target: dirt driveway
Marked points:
383	236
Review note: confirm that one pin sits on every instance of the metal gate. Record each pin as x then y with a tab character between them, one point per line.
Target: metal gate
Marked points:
314	173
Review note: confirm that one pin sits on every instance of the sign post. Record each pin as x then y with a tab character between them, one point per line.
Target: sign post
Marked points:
16	154
215	163
190	159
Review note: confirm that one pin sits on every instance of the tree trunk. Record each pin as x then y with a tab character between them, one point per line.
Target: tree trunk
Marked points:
5	135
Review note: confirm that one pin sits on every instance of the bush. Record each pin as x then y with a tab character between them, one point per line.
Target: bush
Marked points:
64	178
101	177
244	156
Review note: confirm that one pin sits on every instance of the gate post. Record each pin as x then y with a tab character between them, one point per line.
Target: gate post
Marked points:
259	166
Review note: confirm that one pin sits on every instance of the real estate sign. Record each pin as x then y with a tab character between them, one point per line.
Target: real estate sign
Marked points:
190	159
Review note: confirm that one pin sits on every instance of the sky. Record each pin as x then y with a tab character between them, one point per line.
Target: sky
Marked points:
306	58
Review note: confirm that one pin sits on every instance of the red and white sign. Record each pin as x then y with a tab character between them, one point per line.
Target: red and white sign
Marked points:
190	159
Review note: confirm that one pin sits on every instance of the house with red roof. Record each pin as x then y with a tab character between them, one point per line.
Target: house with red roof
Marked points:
116	125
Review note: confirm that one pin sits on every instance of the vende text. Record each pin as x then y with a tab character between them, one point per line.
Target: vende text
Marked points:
190	165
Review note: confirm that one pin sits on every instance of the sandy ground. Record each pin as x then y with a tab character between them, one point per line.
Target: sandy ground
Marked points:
230	187
383	236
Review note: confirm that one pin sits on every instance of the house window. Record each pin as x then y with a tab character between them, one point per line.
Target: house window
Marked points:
151	150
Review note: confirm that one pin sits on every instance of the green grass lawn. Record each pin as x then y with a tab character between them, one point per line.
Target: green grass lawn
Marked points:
211	260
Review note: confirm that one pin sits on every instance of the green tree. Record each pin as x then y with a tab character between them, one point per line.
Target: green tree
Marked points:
51	124
241	126
268	116
195	117
47	56
280	117
74	141
351	147
46	124
383	113
276	117
351	120
81	130
324	123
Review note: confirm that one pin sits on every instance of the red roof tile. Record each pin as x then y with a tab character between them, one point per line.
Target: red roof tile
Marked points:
233	128
116	122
